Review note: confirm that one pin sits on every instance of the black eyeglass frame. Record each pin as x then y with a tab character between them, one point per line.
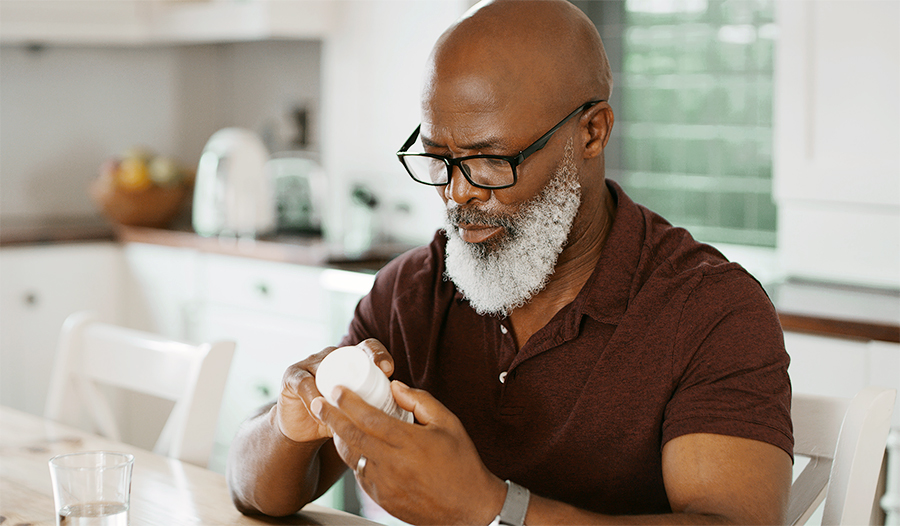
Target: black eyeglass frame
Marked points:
513	160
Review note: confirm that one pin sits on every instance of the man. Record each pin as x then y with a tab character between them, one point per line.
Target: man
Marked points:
557	336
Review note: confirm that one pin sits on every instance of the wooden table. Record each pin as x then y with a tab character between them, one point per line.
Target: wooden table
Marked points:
164	491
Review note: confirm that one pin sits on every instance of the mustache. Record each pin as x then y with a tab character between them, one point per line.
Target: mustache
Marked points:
475	216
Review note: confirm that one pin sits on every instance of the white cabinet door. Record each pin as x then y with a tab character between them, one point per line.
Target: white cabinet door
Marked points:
136	22
160	288
828	366
266	345
837	160
39	287
278	315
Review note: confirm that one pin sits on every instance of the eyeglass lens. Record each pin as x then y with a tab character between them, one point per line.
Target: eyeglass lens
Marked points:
481	171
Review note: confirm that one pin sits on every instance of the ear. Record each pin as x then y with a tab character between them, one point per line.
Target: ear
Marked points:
597	123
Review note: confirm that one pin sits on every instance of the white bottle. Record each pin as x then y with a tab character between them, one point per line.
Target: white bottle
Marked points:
352	368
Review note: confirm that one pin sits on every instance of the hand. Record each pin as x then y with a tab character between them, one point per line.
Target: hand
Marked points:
422	473
298	390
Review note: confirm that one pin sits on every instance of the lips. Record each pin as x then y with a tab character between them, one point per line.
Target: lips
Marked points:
472	233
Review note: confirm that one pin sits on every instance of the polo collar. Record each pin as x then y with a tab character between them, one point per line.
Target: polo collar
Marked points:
607	293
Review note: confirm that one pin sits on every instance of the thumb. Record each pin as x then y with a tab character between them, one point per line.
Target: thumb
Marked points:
421	404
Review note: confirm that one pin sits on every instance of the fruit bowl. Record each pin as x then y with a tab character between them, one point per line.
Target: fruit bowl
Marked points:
152	206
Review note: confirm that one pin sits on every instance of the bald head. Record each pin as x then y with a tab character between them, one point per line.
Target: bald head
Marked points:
515	54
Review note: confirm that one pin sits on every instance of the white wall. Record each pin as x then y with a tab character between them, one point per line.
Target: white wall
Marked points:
373	66
65	109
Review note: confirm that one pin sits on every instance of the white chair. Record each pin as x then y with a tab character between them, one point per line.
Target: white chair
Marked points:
845	442
91	353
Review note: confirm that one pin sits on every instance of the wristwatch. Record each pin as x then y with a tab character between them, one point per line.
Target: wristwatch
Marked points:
514	507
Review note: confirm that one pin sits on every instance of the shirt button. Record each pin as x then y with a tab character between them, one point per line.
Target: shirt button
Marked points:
503	329
503	377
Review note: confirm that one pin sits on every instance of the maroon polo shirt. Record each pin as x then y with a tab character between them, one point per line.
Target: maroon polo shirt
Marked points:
665	339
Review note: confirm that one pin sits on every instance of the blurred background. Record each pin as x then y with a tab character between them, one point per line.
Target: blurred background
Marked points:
768	128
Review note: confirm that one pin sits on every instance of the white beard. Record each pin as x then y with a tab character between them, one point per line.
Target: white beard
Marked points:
500	276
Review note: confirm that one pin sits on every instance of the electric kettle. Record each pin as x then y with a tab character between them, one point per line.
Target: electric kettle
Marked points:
233	193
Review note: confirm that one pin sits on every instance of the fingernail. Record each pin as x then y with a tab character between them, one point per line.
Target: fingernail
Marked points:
385	367
316	406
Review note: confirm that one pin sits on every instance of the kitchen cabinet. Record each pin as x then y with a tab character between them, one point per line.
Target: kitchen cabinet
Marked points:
841	366
141	22
39	287
836	160
160	288
278	315
277	312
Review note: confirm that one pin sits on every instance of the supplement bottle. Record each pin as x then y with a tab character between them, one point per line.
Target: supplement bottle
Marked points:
352	368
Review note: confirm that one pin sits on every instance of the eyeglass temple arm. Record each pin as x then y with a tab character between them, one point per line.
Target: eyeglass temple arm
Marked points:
540	143
412	138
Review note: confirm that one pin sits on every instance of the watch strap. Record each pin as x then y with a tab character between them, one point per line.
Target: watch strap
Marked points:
515	507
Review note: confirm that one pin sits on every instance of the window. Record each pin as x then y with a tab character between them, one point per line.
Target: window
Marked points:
693	103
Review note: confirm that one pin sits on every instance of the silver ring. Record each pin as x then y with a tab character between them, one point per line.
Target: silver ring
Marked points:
361	465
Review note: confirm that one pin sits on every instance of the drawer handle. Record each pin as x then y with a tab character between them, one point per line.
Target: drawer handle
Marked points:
31	298
264	390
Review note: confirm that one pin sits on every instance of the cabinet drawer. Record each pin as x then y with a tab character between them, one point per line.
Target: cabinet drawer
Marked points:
279	288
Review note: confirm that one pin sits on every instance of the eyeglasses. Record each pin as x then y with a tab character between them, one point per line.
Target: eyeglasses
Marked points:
481	171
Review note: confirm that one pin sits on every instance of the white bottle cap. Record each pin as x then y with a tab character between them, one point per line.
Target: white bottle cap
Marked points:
352	368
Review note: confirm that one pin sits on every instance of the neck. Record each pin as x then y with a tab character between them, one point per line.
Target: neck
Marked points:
574	267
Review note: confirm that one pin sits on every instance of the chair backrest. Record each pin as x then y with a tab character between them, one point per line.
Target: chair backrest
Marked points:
845	442
92	353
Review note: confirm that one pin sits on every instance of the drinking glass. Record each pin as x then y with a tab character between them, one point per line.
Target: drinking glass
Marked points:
92	488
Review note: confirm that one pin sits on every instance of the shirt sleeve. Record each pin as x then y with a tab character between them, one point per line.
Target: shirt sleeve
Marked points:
729	364
366	322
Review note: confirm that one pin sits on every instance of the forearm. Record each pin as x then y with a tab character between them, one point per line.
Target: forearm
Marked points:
709	479
270	474
545	511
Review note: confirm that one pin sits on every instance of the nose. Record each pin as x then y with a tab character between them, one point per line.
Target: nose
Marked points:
461	191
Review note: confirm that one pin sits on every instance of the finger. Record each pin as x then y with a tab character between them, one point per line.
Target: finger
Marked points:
426	408
315	408
295	375
379	354
360	424
298	381
371	420
314	360
295	419
349	440
361	464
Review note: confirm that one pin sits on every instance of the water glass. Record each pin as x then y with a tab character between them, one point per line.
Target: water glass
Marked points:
92	488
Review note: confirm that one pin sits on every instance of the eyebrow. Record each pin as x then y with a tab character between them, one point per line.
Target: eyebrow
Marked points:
490	143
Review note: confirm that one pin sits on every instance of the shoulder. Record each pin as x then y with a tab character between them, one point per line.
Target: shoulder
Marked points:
657	253
417	266
671	254
649	267
414	279
693	283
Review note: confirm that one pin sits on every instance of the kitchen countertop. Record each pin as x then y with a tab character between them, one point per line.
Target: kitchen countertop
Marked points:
803	306
31	231
307	250
838	310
